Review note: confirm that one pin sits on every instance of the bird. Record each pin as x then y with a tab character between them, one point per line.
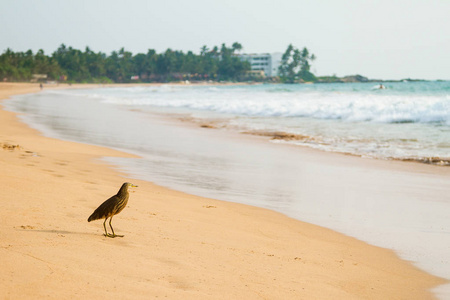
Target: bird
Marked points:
111	207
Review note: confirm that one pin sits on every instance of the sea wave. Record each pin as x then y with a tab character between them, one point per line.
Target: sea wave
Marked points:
388	124
353	107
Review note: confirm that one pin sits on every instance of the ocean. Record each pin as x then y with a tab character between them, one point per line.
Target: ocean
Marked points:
242	143
407	120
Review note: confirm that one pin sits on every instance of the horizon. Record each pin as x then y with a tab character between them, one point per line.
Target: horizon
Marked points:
385	41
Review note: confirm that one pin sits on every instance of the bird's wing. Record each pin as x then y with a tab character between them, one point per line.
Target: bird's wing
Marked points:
105	209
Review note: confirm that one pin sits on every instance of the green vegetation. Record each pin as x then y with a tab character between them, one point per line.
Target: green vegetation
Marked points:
72	65
295	65
20	66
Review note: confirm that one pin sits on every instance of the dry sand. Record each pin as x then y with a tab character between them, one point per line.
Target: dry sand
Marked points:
176	245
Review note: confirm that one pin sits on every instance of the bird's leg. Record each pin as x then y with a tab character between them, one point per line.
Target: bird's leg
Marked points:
106	232
104	226
113	234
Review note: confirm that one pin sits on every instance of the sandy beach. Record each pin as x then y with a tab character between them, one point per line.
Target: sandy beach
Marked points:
176	246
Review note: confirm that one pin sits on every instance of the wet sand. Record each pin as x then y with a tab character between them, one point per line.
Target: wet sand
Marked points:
176	245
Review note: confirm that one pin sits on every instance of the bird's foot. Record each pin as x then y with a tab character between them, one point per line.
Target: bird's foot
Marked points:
113	235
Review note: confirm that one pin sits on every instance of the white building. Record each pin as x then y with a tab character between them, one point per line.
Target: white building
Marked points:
266	62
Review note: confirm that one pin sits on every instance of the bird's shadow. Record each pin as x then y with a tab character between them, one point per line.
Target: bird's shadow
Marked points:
55	231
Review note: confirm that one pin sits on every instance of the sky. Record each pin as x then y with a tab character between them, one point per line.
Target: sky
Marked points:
385	39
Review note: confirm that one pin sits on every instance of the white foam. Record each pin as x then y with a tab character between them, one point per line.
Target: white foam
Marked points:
405	121
349	106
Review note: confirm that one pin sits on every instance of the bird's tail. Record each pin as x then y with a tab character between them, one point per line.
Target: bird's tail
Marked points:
92	218
97	214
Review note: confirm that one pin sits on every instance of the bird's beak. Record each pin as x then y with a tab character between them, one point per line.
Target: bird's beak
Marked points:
134	185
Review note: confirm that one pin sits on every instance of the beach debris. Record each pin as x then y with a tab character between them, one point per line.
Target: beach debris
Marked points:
437	161
10	147
27	227
209	206
13	147
280	135
207	126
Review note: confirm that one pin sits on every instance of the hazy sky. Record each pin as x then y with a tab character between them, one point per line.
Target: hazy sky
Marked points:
386	39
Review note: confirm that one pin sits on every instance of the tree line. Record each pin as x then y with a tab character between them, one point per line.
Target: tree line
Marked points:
217	64
74	65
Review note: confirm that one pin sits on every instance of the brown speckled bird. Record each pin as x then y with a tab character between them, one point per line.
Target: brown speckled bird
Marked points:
111	207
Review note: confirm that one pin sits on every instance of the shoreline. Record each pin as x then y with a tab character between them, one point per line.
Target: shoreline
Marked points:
175	245
354	146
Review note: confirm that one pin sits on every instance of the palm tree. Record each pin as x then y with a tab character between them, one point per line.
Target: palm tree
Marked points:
203	50
236	47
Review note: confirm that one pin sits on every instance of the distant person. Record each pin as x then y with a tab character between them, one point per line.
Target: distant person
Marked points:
41	86
381	87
